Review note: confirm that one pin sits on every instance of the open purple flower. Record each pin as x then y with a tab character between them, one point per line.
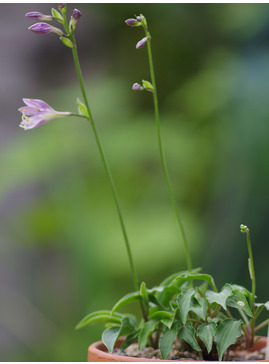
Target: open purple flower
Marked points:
37	112
44	28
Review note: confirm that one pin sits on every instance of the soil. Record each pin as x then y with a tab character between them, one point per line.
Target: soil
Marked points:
180	353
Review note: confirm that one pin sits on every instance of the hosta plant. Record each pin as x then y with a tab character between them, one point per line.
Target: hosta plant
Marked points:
186	308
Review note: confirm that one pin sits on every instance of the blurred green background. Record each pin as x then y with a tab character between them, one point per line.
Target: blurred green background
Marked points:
62	254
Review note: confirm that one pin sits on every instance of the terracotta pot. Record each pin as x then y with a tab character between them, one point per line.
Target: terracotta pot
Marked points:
98	353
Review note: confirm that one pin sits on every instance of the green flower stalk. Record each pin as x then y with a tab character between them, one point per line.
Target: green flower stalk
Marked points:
141	21
244	229
41	112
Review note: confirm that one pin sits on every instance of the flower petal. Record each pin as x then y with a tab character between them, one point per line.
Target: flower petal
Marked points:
28	110
33	122
39	104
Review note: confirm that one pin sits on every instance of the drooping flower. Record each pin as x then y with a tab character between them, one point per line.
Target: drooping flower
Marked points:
38	16
37	112
142	42
44	28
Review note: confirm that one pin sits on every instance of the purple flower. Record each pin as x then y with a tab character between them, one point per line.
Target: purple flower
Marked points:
37	112
76	14
142	42
44	28
131	22
139	19
38	16
137	87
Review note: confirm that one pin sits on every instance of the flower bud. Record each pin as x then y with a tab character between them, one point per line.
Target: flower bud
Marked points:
131	22
244	228
61	6
139	18
142	42
76	14
44	28
137	87
36	15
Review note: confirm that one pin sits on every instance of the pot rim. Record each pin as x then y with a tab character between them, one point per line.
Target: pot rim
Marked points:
99	351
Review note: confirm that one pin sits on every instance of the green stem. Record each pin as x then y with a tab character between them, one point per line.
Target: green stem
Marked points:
163	160
262	325
253	286
103	157
245	229
252	272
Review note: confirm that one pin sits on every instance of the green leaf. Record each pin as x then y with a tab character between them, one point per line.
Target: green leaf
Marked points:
110	336
167	294
161	315
199	307
147	329
144	293
128	298
147	85
168	322
154	300
98	317
184	302
128	325
206	333
129	340
221	297
82	110
187	333
57	15
242	289
263	305
226	334
167	339
238	300
171	278
180	280
67	42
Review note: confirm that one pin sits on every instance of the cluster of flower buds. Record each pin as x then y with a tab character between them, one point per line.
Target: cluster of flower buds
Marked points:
146	85
137	22
244	228
60	16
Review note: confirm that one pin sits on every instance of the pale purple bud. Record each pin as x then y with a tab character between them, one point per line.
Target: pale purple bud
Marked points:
139	18
44	28
61	6
36	15
76	14
137	87
131	22
142	42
